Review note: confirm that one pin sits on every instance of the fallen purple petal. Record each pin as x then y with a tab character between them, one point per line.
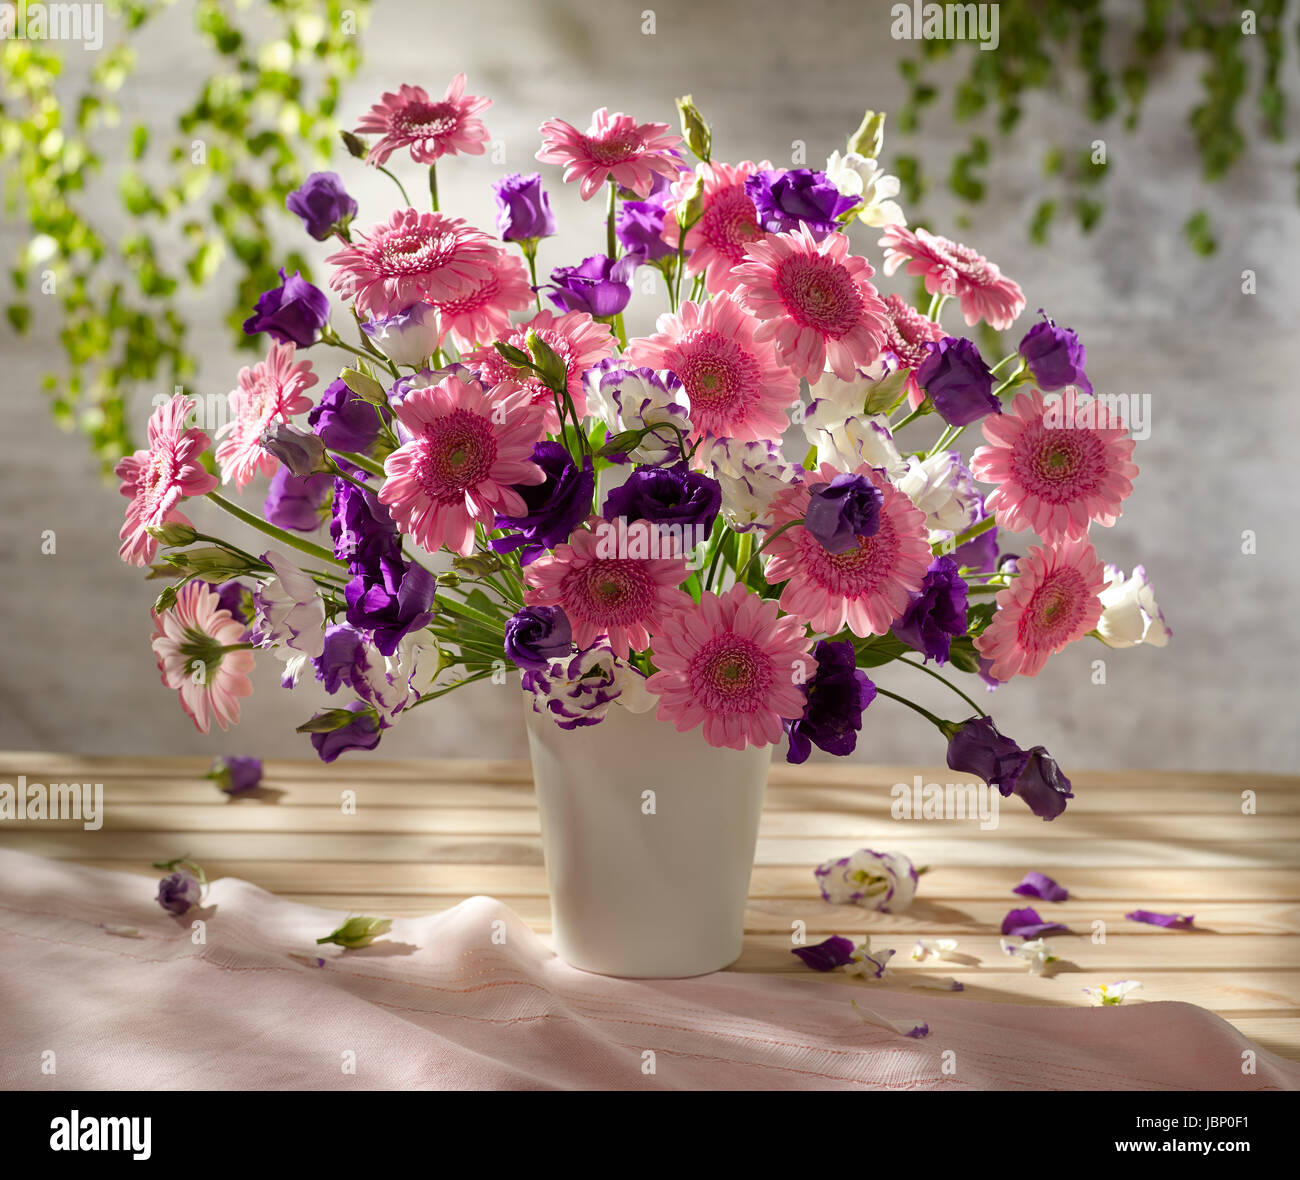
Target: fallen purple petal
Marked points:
836	951
1041	886
1172	921
1027	924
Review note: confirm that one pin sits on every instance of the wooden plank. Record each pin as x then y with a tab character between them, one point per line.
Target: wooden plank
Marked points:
1280	1035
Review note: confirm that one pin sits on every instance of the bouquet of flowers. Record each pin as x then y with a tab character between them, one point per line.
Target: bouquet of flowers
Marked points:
511	487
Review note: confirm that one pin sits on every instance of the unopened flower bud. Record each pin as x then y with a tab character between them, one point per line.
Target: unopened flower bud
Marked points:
869	139
358	931
173	534
301	452
694	129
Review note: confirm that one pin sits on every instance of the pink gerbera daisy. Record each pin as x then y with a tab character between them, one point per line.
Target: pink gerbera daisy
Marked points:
726	228
614	147
484	312
622	597
1053	600
906	336
159	477
467	453
411	119
1057	467
866	587
737	388
268	391
575	336
814	301
950	268
414	257
732	664
191	642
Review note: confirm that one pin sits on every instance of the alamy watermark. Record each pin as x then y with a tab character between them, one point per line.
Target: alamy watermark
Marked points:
1102	411
970	800
53	22
643	540
37	801
945	22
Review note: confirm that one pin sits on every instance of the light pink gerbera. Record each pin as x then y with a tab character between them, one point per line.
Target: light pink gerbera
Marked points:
189	642
603	593
737	388
575	336
411	119
732	664
157	478
814	300
614	146
950	268
467	453
1054	600
484	312
906	336
866	587
1057	467
411	258
270	390
727	227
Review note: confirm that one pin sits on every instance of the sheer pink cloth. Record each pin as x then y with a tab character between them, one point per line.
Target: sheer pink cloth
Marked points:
472	999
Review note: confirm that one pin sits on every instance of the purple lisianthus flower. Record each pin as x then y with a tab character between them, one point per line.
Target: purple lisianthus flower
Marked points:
298	450
362	734
979	553
836	951
787	199
667	495
977	747
179	892
554	508
1041	886
236	775
295	503
536	635
362	530
838	693
294	312
639	227
1027	924
843	510
957	381
936	613
407	337
1169	921
322	203
230	596
390	599
598	286
1055	356
345	422
523	208
343	651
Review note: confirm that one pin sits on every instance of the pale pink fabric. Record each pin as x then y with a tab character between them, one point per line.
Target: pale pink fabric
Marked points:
439	1005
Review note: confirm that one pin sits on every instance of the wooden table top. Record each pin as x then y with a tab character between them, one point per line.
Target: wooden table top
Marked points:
427	834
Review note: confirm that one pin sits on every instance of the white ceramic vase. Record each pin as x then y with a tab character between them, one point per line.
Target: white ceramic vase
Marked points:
649	838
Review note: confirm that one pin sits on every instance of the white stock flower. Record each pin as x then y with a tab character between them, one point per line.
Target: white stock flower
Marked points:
750	474
1129	613
860	176
625	397
942	488
289	617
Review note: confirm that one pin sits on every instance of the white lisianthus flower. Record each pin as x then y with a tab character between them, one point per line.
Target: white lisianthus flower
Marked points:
1129	613
863	962
289	617
942	487
625	397
885	881
750	474
844	436
1109	994
859	176
408	337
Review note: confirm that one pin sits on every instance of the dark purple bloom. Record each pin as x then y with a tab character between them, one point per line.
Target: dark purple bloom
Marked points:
236	775
523	208
843	510
1041	886
598	286
639	227
836	951
294	503
322	203
362	530
390	599
936	613
230	596
301	452
958	382
977	747
979	553
1169	921
1009	563
179	893
838	693
555	507
1055	356
345	422
786	200
343	658
294	312
362	734
986	674
667	495
1027	924
536	635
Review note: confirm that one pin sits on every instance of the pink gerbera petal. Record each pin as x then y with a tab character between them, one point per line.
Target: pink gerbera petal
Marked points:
864	588
269	391
814	301
615	147
736	386
727	226
1059	467
1053	600
906	336
429	127
483	313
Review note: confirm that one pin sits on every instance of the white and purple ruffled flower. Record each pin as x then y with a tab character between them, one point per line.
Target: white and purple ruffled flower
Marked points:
1110	994
750	474
863	962
579	691
350	659
289	617
408	337
630	398
885	881
943	488
844	436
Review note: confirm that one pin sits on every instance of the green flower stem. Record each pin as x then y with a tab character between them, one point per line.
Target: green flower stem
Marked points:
235	549
271	531
772	536
937	722
936	307
530	253
433	185
942	680
442	692
364	463
1004	361
397	182
611	241
675	297
919	412
970	534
